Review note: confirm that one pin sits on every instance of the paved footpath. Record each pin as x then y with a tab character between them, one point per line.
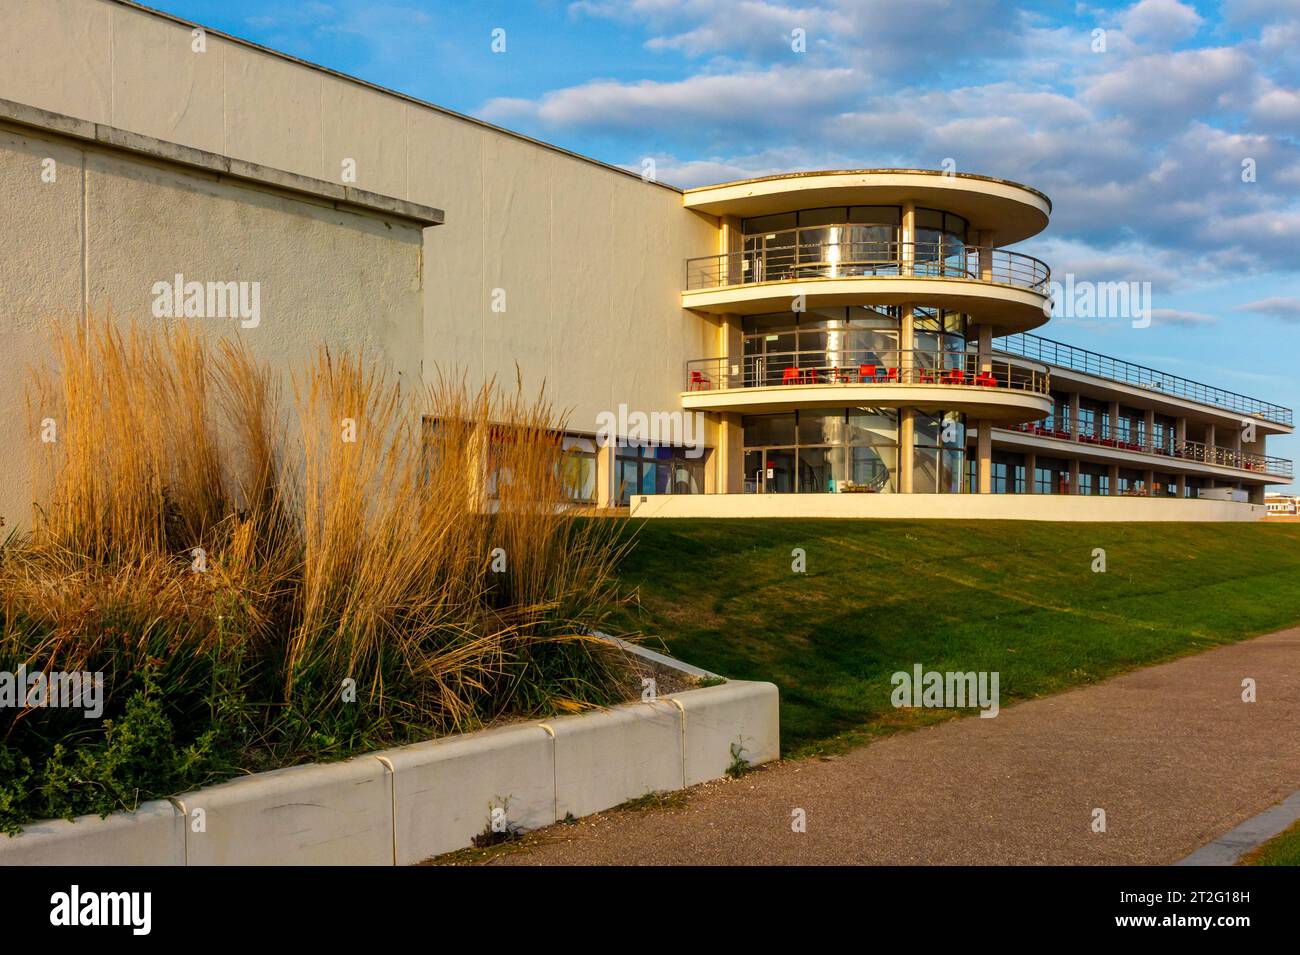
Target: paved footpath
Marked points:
1170	752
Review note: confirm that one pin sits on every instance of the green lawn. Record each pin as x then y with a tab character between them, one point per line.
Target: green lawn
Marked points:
1282	849
1019	598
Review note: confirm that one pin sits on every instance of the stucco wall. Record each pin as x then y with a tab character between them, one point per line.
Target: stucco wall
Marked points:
590	263
590	258
110	225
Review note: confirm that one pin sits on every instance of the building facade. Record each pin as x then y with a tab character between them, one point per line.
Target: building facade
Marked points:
866	332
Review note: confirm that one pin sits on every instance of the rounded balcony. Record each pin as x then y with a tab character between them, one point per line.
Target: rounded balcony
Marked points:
845	264
1007	391
1004	212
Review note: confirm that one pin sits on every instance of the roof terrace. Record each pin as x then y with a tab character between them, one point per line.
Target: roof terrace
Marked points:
1115	369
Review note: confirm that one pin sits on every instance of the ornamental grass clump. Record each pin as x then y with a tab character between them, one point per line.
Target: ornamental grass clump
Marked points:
267	570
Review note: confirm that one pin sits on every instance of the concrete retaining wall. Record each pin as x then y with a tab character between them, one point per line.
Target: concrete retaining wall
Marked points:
1003	507
444	791
322	814
404	805
152	835
602	759
716	718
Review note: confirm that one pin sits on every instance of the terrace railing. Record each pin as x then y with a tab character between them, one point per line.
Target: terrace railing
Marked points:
860	366
820	253
1087	432
1126	372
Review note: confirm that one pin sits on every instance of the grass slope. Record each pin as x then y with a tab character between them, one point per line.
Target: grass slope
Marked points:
1282	849
1020	598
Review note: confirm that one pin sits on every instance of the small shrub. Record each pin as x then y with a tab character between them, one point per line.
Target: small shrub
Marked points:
739	764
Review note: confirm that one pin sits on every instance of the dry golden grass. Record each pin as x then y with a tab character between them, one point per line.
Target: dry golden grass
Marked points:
351	532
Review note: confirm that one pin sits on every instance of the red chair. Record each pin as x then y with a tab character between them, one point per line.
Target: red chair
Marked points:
891	374
791	376
956	377
699	382
986	380
866	373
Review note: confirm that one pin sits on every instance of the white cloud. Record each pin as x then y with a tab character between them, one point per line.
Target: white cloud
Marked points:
1286	309
788	97
1162	22
1169	89
1140	149
1180	317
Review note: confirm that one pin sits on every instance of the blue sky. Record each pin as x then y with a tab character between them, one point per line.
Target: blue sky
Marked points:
1140	146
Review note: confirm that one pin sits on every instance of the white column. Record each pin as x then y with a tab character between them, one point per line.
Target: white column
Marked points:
984	458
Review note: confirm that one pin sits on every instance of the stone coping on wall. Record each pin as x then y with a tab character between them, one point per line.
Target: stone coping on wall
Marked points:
1002	507
221	167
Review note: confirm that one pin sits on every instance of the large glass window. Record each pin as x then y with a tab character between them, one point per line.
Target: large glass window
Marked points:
940	243
651	469
939	337
822	345
938	457
1094	479
825	242
578	468
810	452
1052	476
850	240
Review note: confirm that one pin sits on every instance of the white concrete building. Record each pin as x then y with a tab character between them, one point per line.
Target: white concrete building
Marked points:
852	332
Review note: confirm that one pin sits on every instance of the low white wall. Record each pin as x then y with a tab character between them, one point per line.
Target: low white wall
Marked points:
603	759
444	790
322	814
717	718
152	835
1003	507
407	804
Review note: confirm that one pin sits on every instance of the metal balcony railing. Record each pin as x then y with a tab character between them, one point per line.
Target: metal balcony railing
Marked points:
1087	432
827	252
860	366
1115	369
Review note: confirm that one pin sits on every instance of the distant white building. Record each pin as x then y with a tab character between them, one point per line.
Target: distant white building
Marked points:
1279	504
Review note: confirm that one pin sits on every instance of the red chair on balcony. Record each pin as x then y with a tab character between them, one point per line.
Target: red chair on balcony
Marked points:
891	374
699	382
985	379
791	376
866	373
955	377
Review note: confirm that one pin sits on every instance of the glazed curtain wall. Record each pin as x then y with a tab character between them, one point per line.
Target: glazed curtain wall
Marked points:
851	450
848	337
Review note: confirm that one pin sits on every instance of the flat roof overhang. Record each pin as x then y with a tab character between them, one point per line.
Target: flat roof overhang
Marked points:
1007	308
1100	454
1008	211
1004	405
1104	389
